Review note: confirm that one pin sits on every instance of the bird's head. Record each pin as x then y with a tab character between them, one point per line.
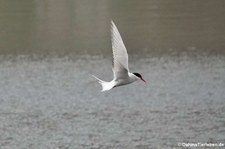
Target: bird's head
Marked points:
139	76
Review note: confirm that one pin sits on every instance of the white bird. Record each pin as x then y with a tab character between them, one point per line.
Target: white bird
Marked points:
121	73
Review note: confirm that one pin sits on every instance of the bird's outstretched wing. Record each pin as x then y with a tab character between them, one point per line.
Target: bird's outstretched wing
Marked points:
120	56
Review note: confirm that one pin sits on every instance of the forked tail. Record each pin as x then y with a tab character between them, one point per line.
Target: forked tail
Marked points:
105	85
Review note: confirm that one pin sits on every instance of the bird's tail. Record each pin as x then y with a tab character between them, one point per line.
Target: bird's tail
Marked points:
105	85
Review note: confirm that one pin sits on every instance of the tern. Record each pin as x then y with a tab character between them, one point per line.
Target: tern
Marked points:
121	73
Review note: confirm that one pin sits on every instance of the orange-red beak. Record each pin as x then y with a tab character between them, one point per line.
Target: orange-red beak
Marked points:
143	80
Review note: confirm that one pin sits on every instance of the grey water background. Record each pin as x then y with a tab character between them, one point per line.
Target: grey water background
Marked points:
49	49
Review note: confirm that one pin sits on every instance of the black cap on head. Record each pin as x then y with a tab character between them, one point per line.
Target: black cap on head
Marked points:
137	74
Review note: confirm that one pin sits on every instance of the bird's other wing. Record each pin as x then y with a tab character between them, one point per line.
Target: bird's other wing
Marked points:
120	56
120	72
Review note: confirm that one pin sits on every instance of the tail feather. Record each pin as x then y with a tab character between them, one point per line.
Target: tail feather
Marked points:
105	85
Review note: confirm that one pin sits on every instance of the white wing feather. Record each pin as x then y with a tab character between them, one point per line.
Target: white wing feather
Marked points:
120	56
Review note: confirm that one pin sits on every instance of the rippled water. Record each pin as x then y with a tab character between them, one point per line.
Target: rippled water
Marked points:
55	103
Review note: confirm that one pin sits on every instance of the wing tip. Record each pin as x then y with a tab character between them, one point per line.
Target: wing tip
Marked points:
112	24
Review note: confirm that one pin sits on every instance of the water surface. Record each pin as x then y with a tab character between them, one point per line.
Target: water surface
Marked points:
155	27
55	103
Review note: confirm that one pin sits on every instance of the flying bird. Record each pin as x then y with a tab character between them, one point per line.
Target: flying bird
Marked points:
121	73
